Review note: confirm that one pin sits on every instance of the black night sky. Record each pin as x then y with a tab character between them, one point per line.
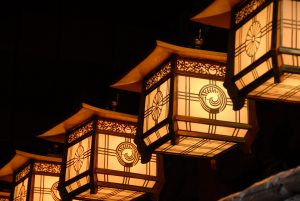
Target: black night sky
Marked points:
56	54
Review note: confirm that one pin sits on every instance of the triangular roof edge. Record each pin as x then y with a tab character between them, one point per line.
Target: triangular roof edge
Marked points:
132	81
57	133
217	13
19	159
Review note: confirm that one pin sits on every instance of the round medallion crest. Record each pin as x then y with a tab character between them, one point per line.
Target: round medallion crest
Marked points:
127	154
54	192
253	39
157	104
212	98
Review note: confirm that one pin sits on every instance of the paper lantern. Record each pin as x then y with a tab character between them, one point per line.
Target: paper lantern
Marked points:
185	109
101	161
35	177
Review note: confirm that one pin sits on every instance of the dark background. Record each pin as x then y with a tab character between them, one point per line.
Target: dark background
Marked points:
56	54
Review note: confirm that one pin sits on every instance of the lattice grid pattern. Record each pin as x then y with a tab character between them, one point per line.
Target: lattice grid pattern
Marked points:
45	188
287	90
196	147
156	105
208	99
20	191
253	39
78	158
112	194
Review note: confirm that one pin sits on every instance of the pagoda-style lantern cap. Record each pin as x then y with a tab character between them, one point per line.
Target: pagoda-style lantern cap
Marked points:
101	161
184	107
34	177
263	57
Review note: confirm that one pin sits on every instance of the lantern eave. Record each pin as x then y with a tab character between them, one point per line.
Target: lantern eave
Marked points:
132	81
57	133
217	13
19	160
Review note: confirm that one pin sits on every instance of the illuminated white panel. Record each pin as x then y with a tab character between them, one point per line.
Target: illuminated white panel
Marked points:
45	188
153	137
196	147
253	39
208	99
121	154
156	105
78	158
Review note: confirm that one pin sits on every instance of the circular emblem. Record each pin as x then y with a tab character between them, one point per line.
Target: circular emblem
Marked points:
22	193
127	154
253	39
157	105
78	158
54	192
212	98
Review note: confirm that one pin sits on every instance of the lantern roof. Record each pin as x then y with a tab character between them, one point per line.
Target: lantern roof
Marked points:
132	81
57	133
217	13
20	158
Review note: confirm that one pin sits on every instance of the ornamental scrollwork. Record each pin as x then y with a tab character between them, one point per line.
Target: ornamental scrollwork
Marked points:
116	127
22	173
158	75
201	67
247	10
46	167
80	132
4	199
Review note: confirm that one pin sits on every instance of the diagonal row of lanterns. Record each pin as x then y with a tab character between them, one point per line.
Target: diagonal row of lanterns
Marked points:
184	110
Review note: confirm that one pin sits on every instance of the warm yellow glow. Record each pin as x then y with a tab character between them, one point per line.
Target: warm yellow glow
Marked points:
120	154
287	90
254	74
208	99
153	137
156	105
253	39
20	191
112	194
196	146
211	129
45	188
78	158
80	182
126	180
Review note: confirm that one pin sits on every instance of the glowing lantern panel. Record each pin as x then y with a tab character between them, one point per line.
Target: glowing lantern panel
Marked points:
264	55
37	181
102	163
187	110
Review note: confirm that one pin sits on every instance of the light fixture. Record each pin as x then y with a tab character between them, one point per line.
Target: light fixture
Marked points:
184	107
263	57
35	177
101	161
